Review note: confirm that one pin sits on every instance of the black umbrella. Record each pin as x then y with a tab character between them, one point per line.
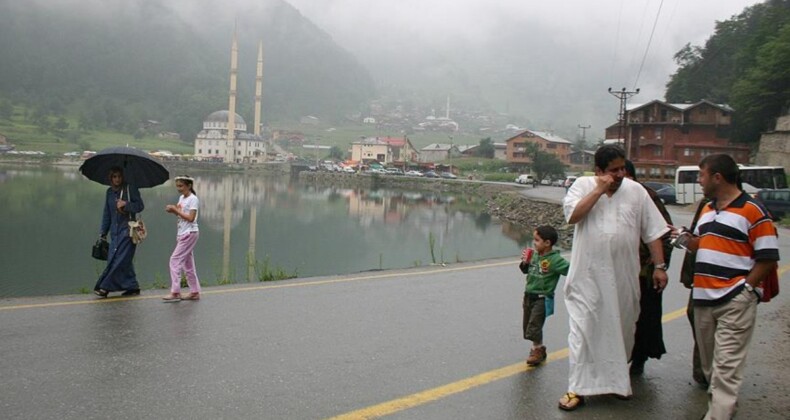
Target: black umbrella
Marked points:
139	168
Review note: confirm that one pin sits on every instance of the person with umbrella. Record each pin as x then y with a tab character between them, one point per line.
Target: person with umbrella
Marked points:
124	170
120	202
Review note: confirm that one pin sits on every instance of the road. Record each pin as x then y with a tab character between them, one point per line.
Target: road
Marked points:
424	343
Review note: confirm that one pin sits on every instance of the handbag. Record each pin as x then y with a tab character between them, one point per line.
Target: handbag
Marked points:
137	230
100	249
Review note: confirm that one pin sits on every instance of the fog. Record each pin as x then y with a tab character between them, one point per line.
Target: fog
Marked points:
548	61
546	65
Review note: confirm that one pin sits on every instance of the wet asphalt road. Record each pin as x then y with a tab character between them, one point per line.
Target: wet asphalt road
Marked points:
322	347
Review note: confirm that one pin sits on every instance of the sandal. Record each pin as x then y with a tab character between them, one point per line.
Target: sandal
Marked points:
191	296
173	297
570	401
101	293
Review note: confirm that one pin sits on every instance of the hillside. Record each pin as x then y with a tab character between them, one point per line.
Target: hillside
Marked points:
109	65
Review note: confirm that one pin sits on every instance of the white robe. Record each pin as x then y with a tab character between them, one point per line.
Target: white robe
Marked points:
602	286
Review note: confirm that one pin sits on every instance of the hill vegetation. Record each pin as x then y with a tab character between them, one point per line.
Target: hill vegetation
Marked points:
746	64
71	68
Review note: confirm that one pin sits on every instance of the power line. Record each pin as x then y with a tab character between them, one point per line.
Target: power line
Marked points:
649	41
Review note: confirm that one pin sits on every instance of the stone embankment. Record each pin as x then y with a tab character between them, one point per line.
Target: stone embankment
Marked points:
503	201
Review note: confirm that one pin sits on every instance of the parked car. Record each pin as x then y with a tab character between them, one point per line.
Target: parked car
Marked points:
447	175
558	183
431	174
525	179
569	180
414	173
655	186
394	171
349	169
667	194
545	181
776	201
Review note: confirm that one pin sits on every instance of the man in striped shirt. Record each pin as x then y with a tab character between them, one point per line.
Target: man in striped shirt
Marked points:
736	246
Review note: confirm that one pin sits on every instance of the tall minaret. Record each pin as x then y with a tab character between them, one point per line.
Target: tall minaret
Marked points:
234	53
258	89
447	114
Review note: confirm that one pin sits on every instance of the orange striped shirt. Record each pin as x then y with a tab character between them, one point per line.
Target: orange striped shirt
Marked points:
731	240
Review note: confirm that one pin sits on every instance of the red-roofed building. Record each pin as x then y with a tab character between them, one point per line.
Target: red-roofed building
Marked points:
662	136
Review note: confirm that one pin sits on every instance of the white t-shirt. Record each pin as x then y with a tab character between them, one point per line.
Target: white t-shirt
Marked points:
186	205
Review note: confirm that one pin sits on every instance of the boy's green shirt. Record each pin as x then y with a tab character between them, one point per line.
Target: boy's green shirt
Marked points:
544	272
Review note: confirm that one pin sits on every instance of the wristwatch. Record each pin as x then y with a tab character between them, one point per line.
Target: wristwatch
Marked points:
662	266
751	289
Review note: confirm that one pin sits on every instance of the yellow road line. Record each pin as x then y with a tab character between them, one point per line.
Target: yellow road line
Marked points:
411	401
270	286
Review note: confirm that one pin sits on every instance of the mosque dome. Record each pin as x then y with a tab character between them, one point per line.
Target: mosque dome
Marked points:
219	119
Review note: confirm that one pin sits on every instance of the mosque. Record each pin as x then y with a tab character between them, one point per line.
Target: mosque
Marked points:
216	141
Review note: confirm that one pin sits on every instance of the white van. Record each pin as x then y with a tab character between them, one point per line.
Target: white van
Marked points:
525	179
569	180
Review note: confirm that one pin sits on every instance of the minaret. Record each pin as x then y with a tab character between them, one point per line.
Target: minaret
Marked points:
258	89
234	53
447	115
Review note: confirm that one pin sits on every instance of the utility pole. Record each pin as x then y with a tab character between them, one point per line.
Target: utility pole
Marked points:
584	131
623	96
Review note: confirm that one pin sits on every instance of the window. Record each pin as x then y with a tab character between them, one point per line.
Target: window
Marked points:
658	151
200	151
551	146
687	152
655	172
659	132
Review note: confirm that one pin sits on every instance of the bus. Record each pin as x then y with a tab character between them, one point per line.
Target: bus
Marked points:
754	178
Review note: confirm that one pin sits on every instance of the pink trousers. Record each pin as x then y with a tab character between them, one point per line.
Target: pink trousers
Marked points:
184	259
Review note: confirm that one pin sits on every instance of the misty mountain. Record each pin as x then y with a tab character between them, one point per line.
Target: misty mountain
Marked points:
115	62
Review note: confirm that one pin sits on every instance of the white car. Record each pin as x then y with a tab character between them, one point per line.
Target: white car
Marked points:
414	173
525	179
349	169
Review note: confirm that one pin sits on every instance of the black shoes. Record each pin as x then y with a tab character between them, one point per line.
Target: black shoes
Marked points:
131	292
101	293
637	367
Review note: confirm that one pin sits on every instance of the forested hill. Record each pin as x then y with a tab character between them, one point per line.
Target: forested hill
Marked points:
746	63
113	63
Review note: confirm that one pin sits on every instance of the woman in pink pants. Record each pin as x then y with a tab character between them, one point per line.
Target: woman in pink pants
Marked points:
183	259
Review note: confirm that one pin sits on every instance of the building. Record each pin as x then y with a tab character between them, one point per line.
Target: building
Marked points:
659	136
438	152
516	150
582	159
500	151
211	143
384	150
775	145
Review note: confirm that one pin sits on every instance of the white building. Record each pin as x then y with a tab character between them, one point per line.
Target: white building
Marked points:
211	143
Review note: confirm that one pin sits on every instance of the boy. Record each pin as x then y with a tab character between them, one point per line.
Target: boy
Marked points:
543	267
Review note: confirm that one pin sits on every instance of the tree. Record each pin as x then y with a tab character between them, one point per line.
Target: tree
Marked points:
764	93
744	63
546	164
486	148
61	124
336	153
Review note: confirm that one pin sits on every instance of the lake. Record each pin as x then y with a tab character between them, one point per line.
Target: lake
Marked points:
249	225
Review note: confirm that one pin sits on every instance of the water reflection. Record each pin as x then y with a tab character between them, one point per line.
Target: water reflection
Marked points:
246	221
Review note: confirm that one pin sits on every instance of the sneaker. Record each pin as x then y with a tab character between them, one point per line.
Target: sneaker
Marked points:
537	356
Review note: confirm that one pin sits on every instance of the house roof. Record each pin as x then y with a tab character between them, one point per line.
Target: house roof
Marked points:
680	107
550	137
437	147
391	141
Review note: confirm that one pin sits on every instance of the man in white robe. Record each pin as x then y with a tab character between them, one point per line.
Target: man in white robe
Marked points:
611	214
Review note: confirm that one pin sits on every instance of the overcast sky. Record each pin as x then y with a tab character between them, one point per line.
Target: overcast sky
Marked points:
599	44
